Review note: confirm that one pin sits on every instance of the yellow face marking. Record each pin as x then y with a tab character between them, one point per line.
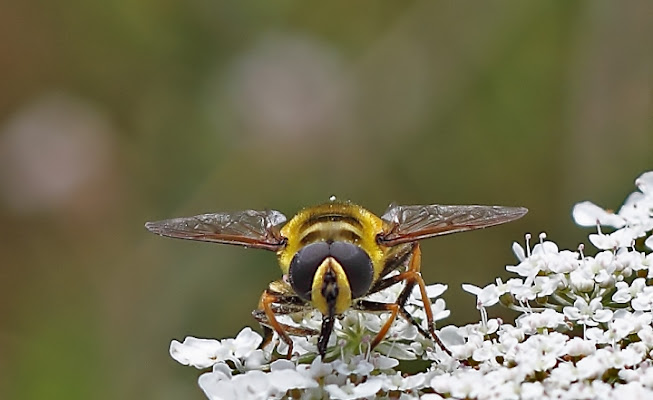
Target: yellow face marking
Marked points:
366	228
343	299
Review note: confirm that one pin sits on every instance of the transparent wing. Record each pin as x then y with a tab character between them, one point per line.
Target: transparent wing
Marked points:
410	223
258	229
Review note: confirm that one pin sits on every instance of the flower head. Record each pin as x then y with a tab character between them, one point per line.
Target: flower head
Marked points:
584	330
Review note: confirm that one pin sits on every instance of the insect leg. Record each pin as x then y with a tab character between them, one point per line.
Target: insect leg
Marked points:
271	303
268	333
268	298
373	306
411	276
260	316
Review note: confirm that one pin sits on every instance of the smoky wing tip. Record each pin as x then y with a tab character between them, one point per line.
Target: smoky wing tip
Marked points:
521	211
153	227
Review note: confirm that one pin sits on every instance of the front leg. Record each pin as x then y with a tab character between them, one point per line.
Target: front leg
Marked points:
278	300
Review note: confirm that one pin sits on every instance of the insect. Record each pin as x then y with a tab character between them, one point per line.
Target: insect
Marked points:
334	255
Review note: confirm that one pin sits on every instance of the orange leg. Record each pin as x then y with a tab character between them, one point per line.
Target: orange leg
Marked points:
411	276
267	299
394	308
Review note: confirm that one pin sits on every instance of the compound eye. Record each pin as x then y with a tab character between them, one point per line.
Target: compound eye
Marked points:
357	265
304	265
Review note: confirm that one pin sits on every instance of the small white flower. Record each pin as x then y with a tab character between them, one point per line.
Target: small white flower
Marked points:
628	261
281	364
542	257
601	390
596	335
646	335
485	352
602	267
461	386
245	342
619	328
255	360
546	319
544	285
442	383
587	314
489	327
582	280
513	285
381	362
629	375
631	390
543	350
199	353
450	336
440	311
410	382
637	211
623	237
625	358
350	391
532	390
217	386
645	376
564	262
509	339
603	261
356	365
643	301
432	291
626	292
564	374
318	369
286	379
580	347
593	366
485	297
256	384
645	183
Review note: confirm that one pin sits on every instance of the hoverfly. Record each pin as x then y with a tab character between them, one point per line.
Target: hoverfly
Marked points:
334	255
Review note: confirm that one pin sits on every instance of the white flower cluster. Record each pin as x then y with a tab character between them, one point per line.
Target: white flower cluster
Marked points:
241	370
584	331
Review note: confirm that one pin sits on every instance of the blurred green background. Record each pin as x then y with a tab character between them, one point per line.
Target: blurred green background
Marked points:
117	112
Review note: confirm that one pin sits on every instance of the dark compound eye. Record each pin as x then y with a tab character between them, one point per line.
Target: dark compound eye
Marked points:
304	265
354	260
357	266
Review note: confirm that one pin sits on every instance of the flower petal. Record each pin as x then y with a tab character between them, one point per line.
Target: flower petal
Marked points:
645	183
587	213
649	242
200	353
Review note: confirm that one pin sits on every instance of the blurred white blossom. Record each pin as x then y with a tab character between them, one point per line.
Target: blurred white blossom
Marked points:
49	150
290	87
